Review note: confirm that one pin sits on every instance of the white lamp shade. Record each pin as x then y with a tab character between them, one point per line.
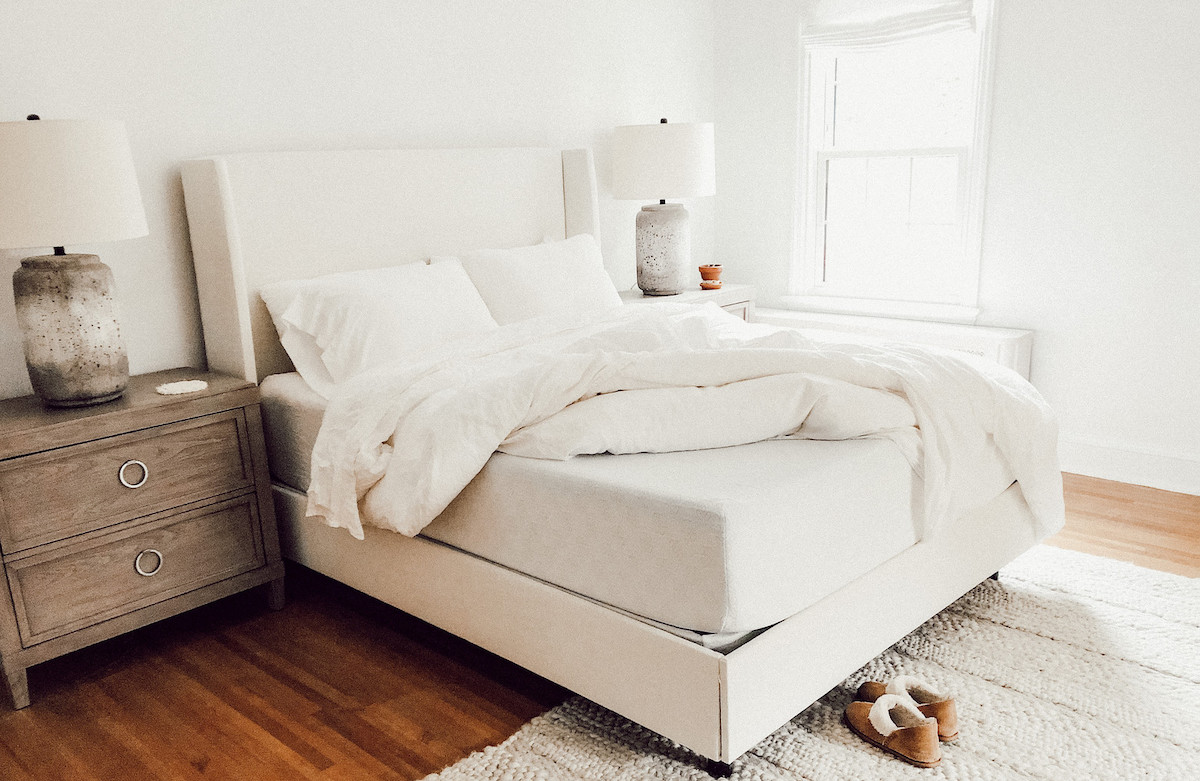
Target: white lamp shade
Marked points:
666	160
67	182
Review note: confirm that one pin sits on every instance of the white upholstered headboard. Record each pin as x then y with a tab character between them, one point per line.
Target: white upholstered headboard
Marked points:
265	217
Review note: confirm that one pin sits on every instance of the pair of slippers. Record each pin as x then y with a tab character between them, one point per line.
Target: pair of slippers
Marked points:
906	718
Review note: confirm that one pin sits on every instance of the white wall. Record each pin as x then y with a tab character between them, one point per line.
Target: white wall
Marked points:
1091	234
198	78
757	124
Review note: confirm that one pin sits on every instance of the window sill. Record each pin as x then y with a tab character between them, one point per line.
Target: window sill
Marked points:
871	307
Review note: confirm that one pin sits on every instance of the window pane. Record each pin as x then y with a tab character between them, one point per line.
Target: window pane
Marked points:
915	94
935	189
887	183
890	225
846	190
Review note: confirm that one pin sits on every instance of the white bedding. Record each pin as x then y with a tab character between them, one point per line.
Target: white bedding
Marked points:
716	541
724	540
399	443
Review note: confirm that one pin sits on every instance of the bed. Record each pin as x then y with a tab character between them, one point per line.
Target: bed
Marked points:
712	653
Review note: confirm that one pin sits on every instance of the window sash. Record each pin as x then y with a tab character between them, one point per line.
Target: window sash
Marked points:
943	290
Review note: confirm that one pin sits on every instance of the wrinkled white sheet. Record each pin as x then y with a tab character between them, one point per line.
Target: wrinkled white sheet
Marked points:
661	420
397	444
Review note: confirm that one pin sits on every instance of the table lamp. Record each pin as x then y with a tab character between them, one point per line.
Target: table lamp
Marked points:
68	182
659	162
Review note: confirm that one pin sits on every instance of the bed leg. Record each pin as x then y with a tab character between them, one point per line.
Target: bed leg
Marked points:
994	576
718	769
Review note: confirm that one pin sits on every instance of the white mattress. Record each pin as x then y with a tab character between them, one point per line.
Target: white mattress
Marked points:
714	541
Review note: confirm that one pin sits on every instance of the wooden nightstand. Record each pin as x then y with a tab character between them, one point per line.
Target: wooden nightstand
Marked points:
738	299
121	514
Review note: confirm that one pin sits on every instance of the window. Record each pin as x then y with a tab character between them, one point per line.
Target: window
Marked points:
893	175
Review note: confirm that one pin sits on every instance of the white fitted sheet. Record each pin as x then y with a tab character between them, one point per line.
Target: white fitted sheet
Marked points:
715	541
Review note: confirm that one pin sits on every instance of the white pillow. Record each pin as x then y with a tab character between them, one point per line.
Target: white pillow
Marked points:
300	347
549	278
351	321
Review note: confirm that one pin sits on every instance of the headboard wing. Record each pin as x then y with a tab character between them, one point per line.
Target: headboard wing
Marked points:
261	218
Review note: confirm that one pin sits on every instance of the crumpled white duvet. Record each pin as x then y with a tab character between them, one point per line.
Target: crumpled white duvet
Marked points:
397	444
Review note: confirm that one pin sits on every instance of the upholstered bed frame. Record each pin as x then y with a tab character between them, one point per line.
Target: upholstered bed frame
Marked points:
259	218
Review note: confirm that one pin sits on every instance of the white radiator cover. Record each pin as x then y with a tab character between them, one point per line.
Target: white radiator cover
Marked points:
1009	347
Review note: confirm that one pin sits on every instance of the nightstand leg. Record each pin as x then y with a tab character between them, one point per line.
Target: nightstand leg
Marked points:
275	594
18	686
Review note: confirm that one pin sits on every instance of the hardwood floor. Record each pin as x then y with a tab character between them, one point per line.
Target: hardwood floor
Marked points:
339	686
335	686
1152	528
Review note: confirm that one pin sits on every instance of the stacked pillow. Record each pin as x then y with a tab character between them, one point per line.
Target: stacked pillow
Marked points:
336	326
550	278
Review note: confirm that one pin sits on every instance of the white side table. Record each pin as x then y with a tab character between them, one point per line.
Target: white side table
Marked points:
737	299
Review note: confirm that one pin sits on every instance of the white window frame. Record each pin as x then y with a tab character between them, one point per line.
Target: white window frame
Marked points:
806	288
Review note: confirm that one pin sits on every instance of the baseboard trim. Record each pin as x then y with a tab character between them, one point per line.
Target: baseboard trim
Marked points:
1129	464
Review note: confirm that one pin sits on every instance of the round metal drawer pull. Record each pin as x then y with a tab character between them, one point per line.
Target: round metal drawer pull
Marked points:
137	563
126	465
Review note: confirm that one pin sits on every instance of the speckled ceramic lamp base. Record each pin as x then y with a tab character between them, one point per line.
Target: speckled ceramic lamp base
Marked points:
664	249
73	345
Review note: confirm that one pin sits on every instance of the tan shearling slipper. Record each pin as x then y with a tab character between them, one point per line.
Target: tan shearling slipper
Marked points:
929	702
894	724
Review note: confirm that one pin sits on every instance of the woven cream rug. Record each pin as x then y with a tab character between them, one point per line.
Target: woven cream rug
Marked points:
1070	667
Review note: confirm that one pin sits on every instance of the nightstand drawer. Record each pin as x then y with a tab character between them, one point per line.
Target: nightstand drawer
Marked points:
73	490
72	587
